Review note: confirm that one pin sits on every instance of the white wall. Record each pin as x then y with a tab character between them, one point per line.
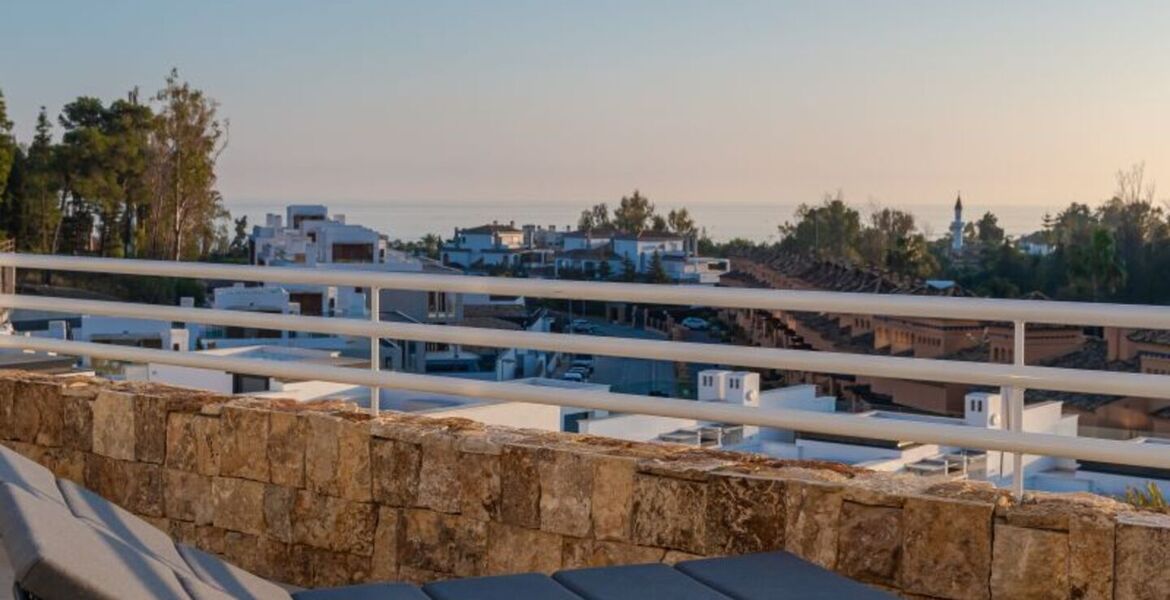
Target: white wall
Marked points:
509	414
199	379
636	428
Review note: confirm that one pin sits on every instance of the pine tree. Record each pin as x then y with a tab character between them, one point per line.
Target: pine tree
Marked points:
39	190
657	273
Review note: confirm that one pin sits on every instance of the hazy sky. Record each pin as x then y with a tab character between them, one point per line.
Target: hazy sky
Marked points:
902	102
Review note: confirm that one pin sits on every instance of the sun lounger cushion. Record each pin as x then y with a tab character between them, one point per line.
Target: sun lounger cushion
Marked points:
635	582
230	578
529	586
55	555
122	524
776	576
369	591
25	473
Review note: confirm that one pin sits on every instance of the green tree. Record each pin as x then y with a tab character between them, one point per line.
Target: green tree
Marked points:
39	191
656	273
10	209
680	222
596	217
187	141
887	228
1105	270
7	144
831	229
634	214
629	270
989	231
604	271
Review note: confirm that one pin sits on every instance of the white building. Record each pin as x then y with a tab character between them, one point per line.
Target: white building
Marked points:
981	410
485	246
311	236
586	251
229	382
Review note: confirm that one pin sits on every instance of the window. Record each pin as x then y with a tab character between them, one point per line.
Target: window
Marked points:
437	304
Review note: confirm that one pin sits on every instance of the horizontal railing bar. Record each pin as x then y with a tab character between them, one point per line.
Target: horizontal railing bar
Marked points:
1108	451
978	309
947	371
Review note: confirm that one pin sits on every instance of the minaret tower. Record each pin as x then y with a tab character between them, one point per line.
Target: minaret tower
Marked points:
957	226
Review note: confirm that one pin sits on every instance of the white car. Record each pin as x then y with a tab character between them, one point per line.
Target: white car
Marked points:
695	324
573	376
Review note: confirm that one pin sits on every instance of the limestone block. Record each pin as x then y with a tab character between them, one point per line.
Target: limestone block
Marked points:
113	425
584	553
7	408
395	471
384	565
669	513
334	523
353	468
322	453
286	449
520	485
812	520
238	504
150	427
613	497
513	549
566	493
1091	543
278	511
187	497
76	422
674	556
1029	563
1143	551
38	413
479	485
137	487
946	547
335	569
193	443
244	443
443	543
438	476
870	543
744	514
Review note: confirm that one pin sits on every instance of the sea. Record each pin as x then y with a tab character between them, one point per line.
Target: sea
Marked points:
723	221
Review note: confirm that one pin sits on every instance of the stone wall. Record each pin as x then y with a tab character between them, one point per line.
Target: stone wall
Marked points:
322	495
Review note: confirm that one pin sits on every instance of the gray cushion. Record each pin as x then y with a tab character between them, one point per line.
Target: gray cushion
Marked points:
635	582
529	586
369	591
26	474
237	582
56	556
122	524
776	576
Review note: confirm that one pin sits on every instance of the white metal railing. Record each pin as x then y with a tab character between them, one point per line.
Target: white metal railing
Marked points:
1013	379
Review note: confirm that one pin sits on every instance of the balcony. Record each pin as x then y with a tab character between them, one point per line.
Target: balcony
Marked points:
327	494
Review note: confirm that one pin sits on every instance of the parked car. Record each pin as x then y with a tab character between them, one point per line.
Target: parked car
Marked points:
573	376
695	324
583	364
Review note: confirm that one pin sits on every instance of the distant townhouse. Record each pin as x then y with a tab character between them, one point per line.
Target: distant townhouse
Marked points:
586	251
497	246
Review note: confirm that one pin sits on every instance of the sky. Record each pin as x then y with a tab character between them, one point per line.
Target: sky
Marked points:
895	102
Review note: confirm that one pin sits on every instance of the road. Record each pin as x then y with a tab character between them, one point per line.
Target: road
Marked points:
631	375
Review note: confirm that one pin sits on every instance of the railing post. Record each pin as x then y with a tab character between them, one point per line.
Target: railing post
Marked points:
1016	407
375	347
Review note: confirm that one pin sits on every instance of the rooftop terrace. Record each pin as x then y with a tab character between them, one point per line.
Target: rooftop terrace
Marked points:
325	494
